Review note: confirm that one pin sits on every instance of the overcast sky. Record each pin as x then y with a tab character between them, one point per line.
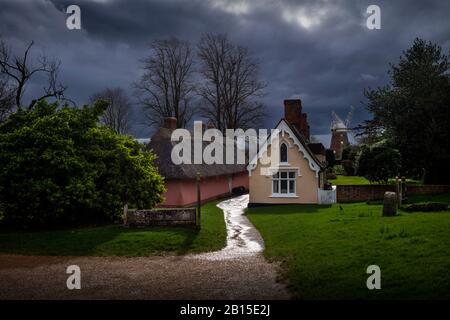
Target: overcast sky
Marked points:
320	51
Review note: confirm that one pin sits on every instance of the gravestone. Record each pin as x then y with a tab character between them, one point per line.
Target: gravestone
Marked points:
390	204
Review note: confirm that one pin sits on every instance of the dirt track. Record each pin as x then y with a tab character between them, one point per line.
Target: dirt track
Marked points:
31	277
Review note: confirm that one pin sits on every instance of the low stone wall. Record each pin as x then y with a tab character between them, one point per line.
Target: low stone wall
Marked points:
354	193
162	217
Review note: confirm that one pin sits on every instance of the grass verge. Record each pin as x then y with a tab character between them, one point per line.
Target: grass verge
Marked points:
325	250
115	240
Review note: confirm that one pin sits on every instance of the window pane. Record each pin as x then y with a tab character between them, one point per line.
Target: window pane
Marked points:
275	186
284	175
284	186
283	153
292	174
291	186
276	175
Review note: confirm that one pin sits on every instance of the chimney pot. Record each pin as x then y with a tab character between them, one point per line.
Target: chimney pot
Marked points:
293	114
170	123
293	103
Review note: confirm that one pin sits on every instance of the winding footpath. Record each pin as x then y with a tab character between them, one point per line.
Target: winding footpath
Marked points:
243	240
238	271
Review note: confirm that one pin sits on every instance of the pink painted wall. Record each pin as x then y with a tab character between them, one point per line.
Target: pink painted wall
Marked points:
241	179
184	192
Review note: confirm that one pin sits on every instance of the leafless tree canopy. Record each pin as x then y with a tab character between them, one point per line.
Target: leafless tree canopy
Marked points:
18	70
230	84
166	87
6	99
118	114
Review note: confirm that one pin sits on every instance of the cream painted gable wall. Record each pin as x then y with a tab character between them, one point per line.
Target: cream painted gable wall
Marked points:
307	181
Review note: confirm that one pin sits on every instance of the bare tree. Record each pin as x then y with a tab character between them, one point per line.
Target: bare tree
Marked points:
6	99
166	88
230	83
118	114
18	70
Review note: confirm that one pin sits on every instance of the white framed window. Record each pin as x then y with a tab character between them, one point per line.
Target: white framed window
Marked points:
283	153
284	183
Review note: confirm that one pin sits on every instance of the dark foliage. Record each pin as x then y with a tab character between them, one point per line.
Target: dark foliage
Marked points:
378	163
426	207
60	167
413	112
330	158
348	167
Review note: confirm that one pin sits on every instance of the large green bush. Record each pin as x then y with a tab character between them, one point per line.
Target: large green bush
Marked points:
378	163
58	166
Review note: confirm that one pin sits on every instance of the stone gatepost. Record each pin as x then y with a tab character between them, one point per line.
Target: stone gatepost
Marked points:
399	191
389	204
125	214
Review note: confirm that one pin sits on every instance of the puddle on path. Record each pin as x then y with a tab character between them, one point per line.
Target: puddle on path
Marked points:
243	240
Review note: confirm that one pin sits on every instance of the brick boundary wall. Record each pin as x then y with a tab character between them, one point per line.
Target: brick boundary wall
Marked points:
163	217
354	193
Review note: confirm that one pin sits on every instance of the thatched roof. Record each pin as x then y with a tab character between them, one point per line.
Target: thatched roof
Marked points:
162	146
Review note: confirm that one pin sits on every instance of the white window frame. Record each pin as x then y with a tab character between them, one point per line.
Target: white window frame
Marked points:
288	179
287	154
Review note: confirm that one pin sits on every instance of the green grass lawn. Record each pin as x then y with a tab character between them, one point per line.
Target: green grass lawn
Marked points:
357	180
116	240
325	251
348	180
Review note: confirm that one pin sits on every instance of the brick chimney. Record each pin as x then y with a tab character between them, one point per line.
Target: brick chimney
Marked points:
293	114
170	123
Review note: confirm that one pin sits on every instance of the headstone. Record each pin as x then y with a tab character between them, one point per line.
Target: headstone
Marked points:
390	204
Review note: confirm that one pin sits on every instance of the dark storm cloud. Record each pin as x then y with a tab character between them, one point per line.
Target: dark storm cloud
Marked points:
320	51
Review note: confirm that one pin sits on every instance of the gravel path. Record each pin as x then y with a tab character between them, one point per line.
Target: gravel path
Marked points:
236	272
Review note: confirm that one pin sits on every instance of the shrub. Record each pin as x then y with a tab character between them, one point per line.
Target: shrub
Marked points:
331	175
338	169
348	167
59	167
426	207
330	158
350	152
378	163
